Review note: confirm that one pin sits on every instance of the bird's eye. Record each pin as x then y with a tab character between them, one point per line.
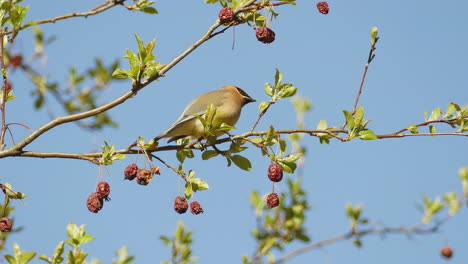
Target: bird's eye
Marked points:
242	92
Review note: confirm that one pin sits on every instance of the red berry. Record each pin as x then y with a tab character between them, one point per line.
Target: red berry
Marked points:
180	204
130	172
5	224
143	176
323	7
94	202
272	200
16	61
195	208
446	252
103	190
275	172
226	15
265	35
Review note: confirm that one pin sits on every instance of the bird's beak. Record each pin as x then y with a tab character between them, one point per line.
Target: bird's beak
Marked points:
250	100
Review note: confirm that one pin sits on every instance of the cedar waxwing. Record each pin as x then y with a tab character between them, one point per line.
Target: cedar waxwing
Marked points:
228	101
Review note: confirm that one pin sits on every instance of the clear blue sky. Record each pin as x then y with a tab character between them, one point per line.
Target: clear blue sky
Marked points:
421	64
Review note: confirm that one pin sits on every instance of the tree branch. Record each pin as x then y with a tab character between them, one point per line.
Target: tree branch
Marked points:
417	229
98	9
94	156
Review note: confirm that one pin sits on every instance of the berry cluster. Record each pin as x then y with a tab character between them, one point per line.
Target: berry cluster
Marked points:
142	176
181	205
275	174
264	34
95	200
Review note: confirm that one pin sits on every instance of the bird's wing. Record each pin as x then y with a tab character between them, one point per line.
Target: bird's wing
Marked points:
197	106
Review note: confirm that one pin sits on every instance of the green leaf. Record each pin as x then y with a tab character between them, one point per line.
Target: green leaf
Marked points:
263	105
120	74
359	116
374	32
269	89
357	243
149	10
165	240
242	162
452	202
287	91
57	256
367	134
180	154
26	257
225	127
322	125
283	146
413	129
450	109
270	136
188	191
199	184
86	238
349	119
10	259
463	172
208	154
435	114
278	78
432	129
287	166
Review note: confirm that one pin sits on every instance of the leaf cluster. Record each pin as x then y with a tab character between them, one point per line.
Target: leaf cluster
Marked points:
281	225
142	64
180	244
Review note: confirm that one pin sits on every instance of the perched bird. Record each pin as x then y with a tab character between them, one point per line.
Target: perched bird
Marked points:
228	101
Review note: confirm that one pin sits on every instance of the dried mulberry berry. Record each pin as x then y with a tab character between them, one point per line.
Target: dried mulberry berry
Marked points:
130	172
446	252
226	15
275	172
94	202
272	200
265	35
143	176
16	61
323	7
103	190
7	86
195	208
180	204
5	224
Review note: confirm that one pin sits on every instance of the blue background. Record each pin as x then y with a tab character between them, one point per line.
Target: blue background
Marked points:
421	64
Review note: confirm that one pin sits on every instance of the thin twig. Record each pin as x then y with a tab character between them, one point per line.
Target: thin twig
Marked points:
417	229
99	9
363	79
4	94
366	67
261	115
170	167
